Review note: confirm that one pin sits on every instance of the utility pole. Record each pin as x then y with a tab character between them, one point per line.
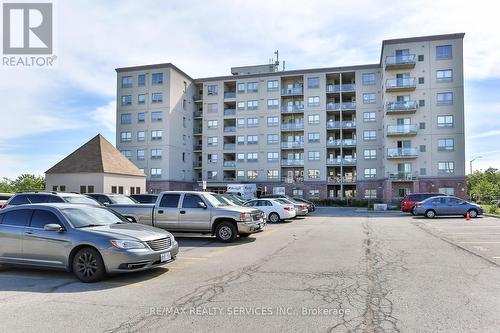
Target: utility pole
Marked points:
470	163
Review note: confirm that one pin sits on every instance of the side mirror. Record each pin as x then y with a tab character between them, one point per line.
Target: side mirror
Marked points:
53	227
202	205
105	203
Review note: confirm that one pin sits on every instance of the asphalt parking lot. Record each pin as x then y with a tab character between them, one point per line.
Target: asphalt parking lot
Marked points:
335	271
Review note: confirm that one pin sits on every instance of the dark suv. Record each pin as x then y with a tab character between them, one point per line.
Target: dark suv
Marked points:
145	198
47	197
410	200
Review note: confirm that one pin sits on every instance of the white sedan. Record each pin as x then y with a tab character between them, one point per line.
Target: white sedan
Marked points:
275	211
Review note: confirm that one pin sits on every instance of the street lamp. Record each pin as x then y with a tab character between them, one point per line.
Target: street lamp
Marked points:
470	163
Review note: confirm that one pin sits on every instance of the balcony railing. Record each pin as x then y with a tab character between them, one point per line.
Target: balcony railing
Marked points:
229	129
229	94
400	61
403	106
292	144
229	146
344	106
338	161
197	164
292	162
338	143
402	176
197	147
292	126
410	129
230	112
229	164
343	180
229	179
341	124
292	180
402	152
292	91
197	130
408	83
292	108
198	114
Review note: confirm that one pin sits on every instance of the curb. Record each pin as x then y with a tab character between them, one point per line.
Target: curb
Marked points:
491	215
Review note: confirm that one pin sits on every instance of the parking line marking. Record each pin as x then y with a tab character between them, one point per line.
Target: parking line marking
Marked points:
496	257
194	258
480	242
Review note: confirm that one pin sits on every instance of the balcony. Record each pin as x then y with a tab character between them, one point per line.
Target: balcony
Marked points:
341	124
333	88
292	180
395	153
403	107
229	164
292	91
338	106
292	109
402	130
198	130
338	161
402	176
343	143
230	112
400	61
292	144
229	129
229	179
198	114
292	126
292	162
401	84
341	180
197	98
197	164
229	94
229	146
197	147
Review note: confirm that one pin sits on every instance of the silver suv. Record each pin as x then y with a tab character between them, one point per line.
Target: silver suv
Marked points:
27	198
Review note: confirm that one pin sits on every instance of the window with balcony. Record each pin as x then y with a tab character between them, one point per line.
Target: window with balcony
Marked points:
240	88
240	105
141	117
240	139
444	75
157	78
252	139
272	138
369	135
126	100
252	87
369	116
313	101
212	90
252	122
252	105
157	97
212	141
370	193
313	137
445	121
127	82
155	172
369	98
156	153
126	136
443	52
312	82
313	119
446	144
212	158
140	154
212	124
368	79
272	85
141	136
126	118
156	135
313	173
141	80
370	172
272	104
444	98
157	116
272	156
446	167
212	175
370	154
313	155
272	174
252	157
272	121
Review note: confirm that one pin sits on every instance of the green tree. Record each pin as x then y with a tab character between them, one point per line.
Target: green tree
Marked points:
484	183
26	182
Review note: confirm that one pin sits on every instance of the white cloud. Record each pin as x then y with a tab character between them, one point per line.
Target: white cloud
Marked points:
106	116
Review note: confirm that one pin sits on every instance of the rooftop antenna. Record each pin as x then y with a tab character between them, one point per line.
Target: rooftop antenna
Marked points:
283	65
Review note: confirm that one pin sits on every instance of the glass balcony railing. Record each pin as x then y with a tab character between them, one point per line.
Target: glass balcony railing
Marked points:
338	161
197	164
400	60
230	112
292	144
338	179
229	179
341	124
402	176
229	129
344	106
292	162
402	152
402	129
292	108
400	83
292	180
338	143
197	147
229	164
333	106
292	126
292	91
401	106
198	114
229	94
229	146
197	130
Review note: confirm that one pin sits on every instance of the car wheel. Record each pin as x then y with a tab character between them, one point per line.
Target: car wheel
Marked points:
413	211
226	232
430	214
88	265
473	213
274	217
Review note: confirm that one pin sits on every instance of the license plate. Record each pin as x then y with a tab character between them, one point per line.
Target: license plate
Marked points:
165	256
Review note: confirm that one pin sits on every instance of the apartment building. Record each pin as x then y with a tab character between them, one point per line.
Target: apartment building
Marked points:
375	131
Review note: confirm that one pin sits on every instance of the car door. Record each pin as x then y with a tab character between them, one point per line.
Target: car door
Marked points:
12	227
265	206
41	247
166	214
456	207
192	217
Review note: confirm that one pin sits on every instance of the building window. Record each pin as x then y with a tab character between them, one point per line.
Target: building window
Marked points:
252	105
313	119
212	141
370	172
252	157
445	121
155	172
126	118
212	175
369	116
421	125
140	154
141	135
240	157
421	102
252	174
212	90
240	87
83	189
443	52
368	79
370	154
157	116
444	75
126	136
141	117
313	137
156	135
313	173
240	139
252	122
272	174
157	78
445	98
272	138
127	153
420	57
240	174
313	194
127	82
421	80
313	101
297	192
127	100
447	190
141	99
369	135
312	82
212	124
423	148
141	80
212	158
272	85
252	139
313	155
212	107
446	144
184	122
156	154
370	193
240	122
157	98
272	104
446	167
272	156
369	98
240	106
272	121
252	87
113	189
423	171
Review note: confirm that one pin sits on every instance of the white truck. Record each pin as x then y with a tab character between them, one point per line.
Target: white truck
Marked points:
245	191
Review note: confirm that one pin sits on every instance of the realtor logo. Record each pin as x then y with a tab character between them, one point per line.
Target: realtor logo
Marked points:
27	28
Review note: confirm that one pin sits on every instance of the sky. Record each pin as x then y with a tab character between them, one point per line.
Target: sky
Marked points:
45	114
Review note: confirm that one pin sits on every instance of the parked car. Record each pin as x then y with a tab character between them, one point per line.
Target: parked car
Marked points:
446	205
144	198
48	197
300	208
197	212
112	199
234	199
274	210
310	205
410	200
3	198
90	241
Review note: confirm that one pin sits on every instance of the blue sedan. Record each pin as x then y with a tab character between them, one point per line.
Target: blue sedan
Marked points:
447	205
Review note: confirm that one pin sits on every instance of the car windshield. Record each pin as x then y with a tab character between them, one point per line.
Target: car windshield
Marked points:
231	201
89	216
284	201
80	199
216	200
121	199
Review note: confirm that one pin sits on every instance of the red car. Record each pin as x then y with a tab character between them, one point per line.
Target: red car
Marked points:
410	200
